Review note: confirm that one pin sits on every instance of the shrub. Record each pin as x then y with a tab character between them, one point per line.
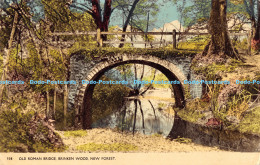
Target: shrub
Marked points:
251	122
26	132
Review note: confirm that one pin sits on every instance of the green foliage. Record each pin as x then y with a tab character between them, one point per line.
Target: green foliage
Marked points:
127	45
45	62
240	44
219	113
250	122
77	133
158	77
161	105
196	11
13	130
107	99
139	16
196	43
188	114
1	63
157	135
14	105
239	103
24	102
252	88
192	111
65	20
148	38
118	147
125	71
6	27
183	140
210	71
60	118
15	137
198	104
112	29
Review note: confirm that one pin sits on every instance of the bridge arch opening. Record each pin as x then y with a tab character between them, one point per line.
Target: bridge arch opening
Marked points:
171	71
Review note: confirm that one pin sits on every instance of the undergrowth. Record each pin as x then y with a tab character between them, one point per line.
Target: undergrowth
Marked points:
250	122
15	136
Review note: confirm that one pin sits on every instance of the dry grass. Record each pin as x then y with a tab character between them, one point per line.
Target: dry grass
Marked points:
105	140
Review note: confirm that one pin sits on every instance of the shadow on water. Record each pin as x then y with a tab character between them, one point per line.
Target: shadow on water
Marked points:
146	116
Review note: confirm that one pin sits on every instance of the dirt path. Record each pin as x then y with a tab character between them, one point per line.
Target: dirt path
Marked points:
143	143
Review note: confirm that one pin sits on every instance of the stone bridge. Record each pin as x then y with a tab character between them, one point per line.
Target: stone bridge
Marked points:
83	67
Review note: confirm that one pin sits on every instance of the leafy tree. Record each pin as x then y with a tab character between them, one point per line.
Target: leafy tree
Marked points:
8	45
31	30
197	11
220	43
136	14
93	7
131	9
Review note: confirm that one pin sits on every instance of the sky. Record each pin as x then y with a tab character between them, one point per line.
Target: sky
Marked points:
168	13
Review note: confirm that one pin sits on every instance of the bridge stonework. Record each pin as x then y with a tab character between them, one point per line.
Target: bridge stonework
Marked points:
84	68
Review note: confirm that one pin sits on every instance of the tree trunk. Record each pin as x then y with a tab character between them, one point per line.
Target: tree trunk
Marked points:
7	54
127	21
48	103
65	103
220	44
252	18
54	101
147	26
96	14
107	14
254	23
256	36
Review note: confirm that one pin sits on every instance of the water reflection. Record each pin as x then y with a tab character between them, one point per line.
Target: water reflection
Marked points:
148	115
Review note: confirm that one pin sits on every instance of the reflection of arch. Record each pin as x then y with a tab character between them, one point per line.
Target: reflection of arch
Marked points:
84	98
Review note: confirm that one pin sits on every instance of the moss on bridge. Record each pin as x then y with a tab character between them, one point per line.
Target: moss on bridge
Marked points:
158	52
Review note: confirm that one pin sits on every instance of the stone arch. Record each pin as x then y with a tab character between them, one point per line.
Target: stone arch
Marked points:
84	98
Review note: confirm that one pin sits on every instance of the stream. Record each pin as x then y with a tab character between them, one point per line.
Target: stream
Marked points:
151	114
